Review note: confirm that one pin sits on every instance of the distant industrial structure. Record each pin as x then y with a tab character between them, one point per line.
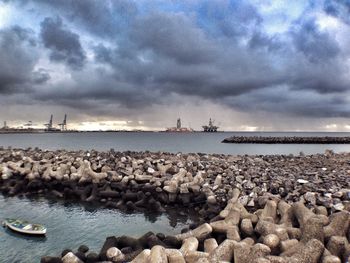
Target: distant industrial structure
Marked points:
179	128
5	125
28	127
63	125
210	127
51	128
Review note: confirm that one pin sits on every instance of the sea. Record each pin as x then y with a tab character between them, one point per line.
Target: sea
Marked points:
196	142
71	225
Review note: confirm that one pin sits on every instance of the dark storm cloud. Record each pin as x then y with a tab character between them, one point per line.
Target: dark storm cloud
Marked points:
103	18
338	8
103	54
320	62
293	103
18	57
317	46
63	43
181	58
216	50
177	38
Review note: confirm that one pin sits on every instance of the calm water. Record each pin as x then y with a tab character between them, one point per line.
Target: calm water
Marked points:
170	142
70	226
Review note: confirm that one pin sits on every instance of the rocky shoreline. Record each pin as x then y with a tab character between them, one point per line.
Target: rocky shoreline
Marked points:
272	208
287	140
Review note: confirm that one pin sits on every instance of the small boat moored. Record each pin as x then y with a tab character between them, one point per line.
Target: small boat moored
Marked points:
24	227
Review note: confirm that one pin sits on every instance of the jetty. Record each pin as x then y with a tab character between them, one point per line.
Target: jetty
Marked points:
288	140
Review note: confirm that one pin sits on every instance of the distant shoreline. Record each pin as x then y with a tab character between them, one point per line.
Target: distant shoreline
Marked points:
41	131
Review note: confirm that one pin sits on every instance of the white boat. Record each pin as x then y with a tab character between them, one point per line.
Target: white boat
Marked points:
24	227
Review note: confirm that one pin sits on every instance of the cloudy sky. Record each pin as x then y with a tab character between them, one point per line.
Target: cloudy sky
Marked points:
250	65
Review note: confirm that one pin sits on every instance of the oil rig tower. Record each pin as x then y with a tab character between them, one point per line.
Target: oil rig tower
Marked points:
178	123
210	127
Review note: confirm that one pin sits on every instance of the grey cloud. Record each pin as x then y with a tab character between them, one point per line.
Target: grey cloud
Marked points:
317	46
233	19
103	18
294	103
177	38
94	89
103	54
40	76
224	56
64	45
154	62
18	56
318	62
259	40
190	69
338	8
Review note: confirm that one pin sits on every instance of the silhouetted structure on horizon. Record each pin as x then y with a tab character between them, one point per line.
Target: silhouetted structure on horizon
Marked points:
211	127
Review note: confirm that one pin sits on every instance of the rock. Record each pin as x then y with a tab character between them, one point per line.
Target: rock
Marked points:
211	200
158	255
83	249
115	254
71	258
92	258
48	259
310	197
110	242
244	200
200	232
339	207
150	170
65	252
302	181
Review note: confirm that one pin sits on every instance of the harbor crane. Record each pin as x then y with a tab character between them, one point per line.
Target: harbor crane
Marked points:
49	125
63	125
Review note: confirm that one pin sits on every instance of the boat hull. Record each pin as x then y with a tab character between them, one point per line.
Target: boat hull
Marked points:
25	231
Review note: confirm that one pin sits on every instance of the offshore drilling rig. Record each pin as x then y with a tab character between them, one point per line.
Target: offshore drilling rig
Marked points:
210	127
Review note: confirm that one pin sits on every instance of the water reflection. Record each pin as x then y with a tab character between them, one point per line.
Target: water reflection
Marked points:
152	217
30	238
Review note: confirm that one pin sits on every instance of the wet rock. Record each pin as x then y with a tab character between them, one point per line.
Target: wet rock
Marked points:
48	259
92	257
83	249
110	242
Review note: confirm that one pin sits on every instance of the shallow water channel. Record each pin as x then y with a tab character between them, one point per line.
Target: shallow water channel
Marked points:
71	225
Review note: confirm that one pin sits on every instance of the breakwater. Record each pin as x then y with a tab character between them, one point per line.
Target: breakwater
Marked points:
287	140
258	205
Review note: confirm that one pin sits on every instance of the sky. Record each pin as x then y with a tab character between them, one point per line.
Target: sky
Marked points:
253	65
